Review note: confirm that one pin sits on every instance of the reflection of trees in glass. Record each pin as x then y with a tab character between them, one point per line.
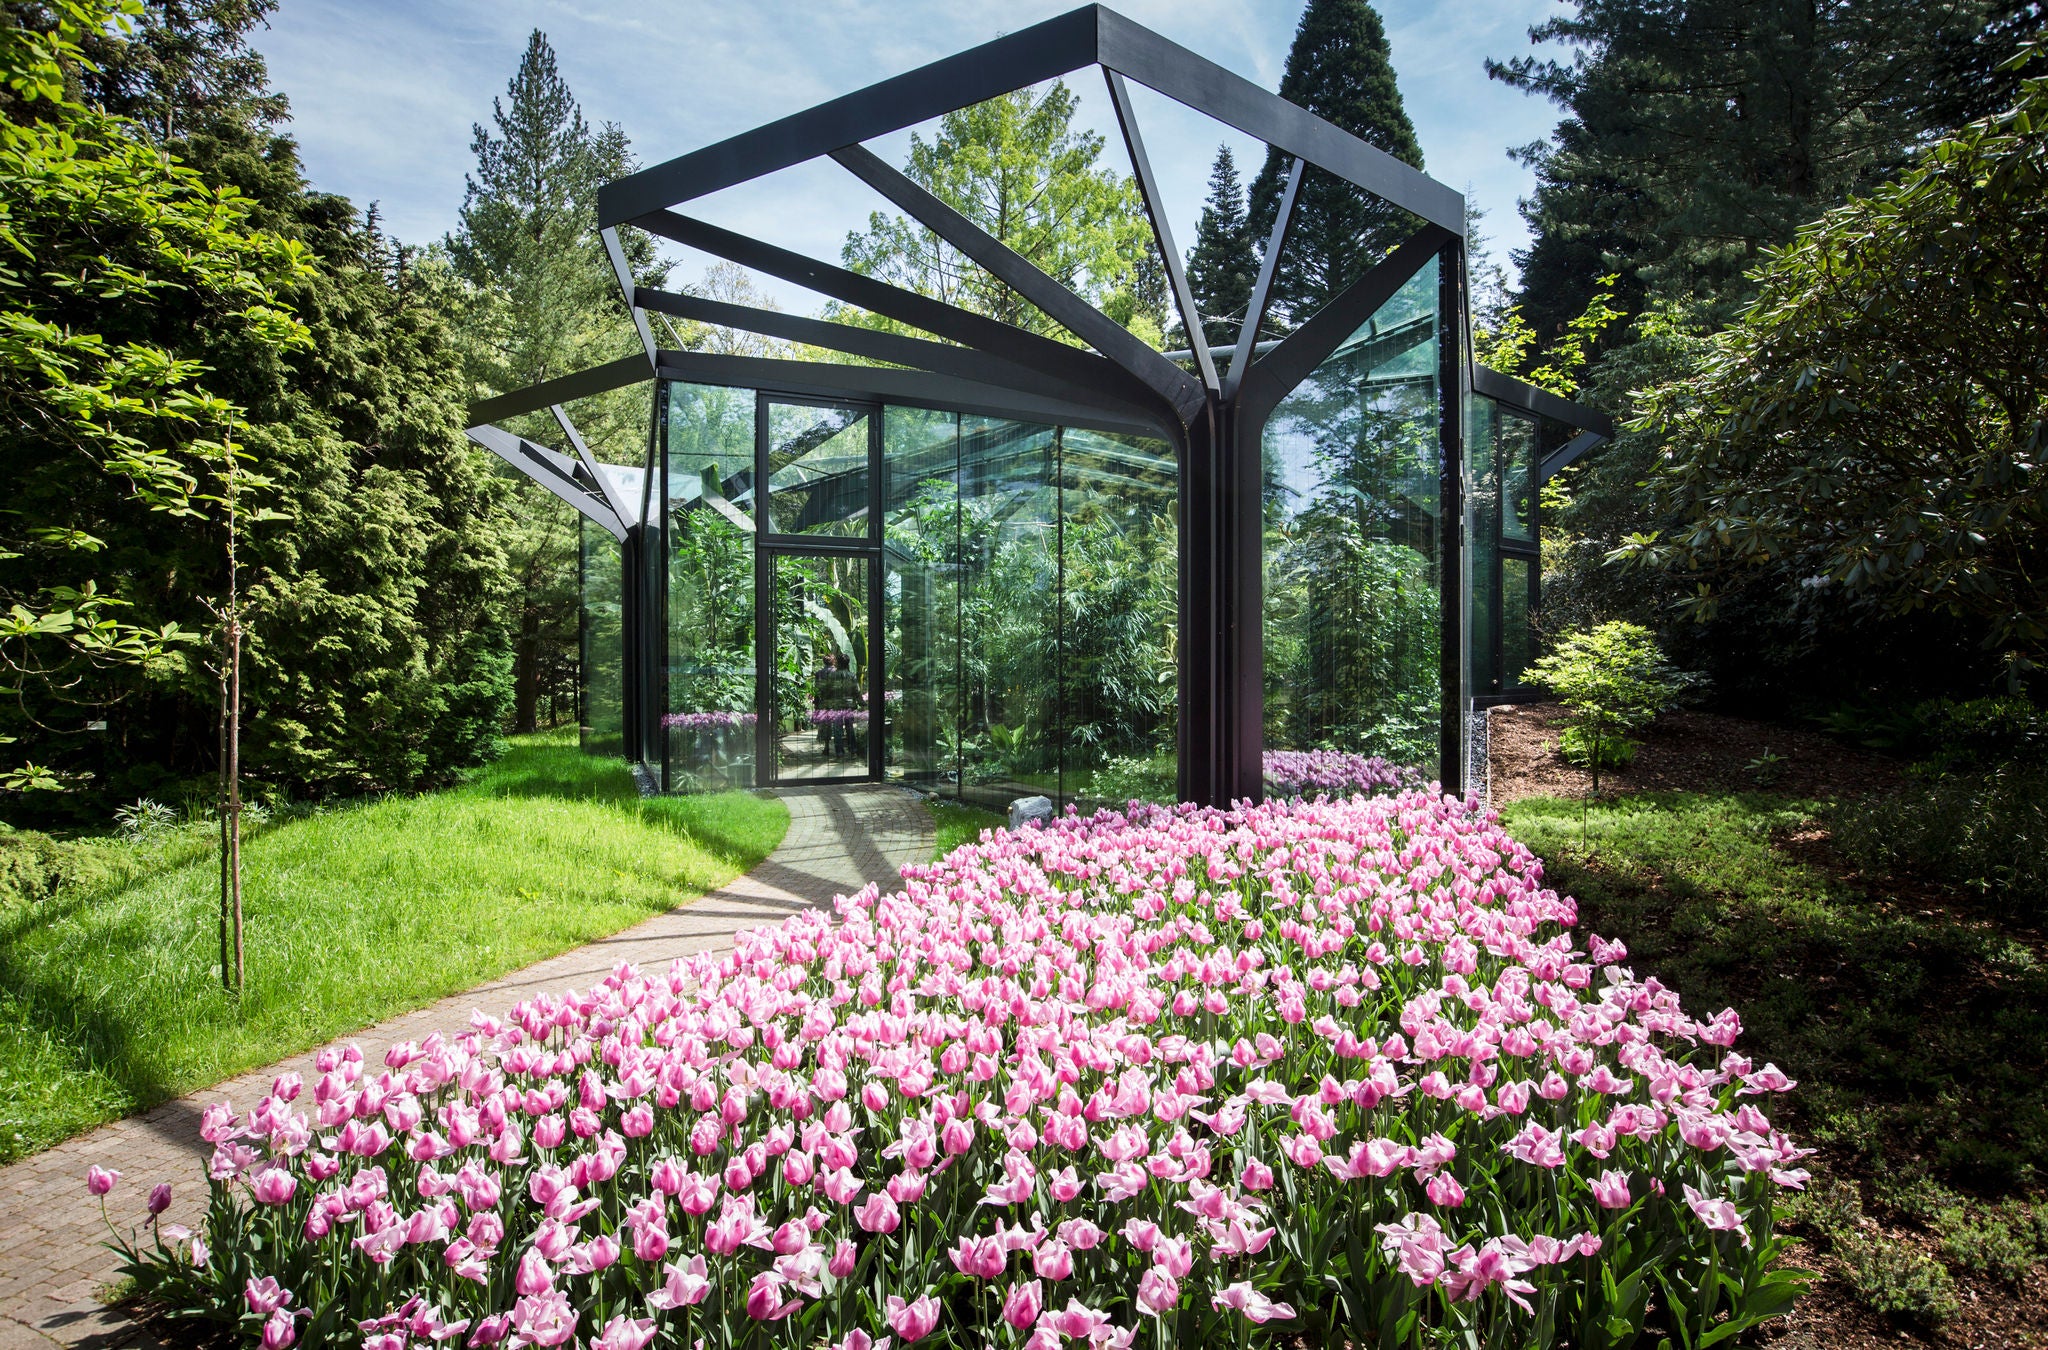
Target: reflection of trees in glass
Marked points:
603	694
711	614
1353	614
1118	609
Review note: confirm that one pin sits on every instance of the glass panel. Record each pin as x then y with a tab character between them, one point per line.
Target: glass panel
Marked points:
602	722
1119	578
1518	638
1353	618
818	470
1481	572
1009	616
709	720
920	597
1517	455
821	660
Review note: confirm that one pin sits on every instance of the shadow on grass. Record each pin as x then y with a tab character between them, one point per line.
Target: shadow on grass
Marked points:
552	766
86	1046
1916	1021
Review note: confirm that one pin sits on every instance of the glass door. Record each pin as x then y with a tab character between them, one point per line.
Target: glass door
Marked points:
818	580
822	687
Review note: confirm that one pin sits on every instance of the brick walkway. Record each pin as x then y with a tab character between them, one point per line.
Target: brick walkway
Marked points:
51	1260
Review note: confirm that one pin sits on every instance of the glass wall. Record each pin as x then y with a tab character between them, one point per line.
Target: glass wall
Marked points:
1501	579
708	721
601	628
1028	602
1119	607
921	598
1353	545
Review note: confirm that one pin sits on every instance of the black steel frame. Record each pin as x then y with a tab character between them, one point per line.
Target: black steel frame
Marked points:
1213	417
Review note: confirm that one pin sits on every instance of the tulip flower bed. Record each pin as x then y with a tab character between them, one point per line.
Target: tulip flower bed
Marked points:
1337	1070
1308	773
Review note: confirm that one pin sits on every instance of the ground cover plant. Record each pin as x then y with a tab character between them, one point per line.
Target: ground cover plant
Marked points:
1326	1069
354	914
1914	1017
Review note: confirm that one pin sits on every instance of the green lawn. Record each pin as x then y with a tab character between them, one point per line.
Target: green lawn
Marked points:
112	998
954	824
1915	1019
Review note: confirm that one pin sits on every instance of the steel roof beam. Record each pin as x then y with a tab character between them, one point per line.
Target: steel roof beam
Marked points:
1014	270
876	345
1085	370
1273	375
1162	232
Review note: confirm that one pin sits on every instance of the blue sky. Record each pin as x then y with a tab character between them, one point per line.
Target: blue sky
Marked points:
384	92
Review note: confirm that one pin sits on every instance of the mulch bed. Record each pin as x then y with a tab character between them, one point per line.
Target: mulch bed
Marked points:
1682	752
1703	752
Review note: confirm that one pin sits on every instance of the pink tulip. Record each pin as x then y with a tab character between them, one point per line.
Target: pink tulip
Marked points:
273	1186
99	1180
982	1257
624	1333
843	1258
764	1298
1255	1306
279	1330
1022	1303
1610	1190
265	1296
683	1287
878	1214
534	1276
913	1321
1053	1261
1157	1291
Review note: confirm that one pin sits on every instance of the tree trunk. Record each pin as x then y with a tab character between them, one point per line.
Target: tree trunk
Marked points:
231	809
526	670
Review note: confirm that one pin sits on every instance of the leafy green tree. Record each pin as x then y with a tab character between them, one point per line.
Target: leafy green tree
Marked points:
1341	69
1699	133
1875	421
542	301
373	653
99	231
1613	682
1017	167
1223	263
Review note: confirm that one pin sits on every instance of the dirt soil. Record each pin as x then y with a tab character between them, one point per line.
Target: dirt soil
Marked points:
1703	752
1682	752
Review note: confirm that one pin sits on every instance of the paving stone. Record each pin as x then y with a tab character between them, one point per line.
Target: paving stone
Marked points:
840	839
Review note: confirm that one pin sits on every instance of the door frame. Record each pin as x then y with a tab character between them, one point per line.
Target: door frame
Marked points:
769	548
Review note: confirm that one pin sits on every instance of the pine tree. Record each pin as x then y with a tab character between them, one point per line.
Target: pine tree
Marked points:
374	656
543	302
1696	136
1339	68
1223	264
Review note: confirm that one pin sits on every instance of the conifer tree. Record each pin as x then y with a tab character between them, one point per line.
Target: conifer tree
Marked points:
543	302
1223	264
1339	68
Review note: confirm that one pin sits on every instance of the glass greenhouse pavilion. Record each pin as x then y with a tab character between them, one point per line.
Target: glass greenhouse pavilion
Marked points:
988	563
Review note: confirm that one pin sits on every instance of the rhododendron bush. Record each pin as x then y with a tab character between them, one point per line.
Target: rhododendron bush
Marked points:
1329	1070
